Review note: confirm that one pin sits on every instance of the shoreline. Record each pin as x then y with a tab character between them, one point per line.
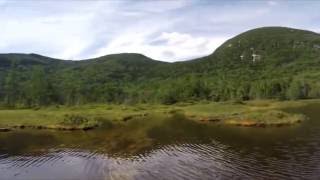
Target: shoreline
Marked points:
263	113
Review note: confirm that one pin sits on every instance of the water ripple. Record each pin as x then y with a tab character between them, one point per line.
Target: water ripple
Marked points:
294	156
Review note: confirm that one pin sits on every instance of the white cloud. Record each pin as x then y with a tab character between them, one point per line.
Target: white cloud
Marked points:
2	2
164	30
176	47
157	6
272	3
63	36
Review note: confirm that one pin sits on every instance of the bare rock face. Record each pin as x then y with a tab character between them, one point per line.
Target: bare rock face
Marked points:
316	46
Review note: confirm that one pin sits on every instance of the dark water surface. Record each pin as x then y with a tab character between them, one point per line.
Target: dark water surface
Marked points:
174	148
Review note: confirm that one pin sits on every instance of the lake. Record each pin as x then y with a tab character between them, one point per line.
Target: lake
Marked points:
172	148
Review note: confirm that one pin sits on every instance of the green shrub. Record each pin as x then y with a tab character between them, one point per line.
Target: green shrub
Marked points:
74	119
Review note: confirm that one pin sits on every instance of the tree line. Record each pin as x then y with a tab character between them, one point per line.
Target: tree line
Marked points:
36	87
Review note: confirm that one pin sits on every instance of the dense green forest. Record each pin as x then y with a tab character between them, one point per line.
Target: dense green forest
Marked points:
264	63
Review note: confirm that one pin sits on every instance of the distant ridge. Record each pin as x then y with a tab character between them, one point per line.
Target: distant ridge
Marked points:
267	62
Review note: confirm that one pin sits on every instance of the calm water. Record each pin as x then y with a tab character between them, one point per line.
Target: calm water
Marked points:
169	149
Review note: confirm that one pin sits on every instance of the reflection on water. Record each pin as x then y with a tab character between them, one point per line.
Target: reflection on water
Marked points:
173	148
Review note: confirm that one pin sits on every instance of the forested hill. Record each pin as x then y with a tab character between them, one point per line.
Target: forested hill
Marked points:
269	62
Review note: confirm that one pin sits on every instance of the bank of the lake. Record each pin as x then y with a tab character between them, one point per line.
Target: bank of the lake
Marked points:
262	113
166	148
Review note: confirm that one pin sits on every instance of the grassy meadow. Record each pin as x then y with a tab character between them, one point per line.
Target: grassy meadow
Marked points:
258	113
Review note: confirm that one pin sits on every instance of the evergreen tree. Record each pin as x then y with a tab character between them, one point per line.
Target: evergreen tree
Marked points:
39	92
12	85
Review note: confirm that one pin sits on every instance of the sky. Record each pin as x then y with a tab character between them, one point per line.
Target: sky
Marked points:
167	30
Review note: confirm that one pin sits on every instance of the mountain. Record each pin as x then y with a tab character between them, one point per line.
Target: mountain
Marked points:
268	62
274	46
130	66
273	54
